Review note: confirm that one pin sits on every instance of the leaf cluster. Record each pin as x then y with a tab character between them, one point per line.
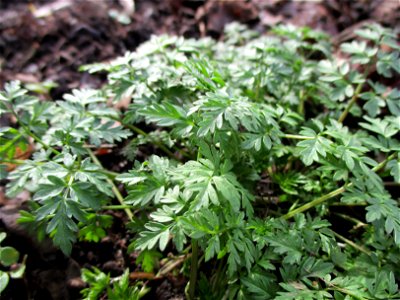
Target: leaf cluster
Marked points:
233	118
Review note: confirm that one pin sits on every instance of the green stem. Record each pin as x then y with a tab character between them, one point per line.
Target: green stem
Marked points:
70	181
382	164
351	219
354	98
31	134
351	243
300	108
116	207
171	265
193	269
349	204
332	194
114	187
298	137
110	174
12	142
159	145
13	161
143	291
315	202
259	77
347	292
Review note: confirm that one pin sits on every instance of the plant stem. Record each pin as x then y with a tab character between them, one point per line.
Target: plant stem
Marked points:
159	145
347	292
300	108
351	243
349	204
298	137
353	220
350	104
315	202
110	174
31	134
354	98
384	162
114	187
193	269
332	194
116	207
143	291
12	142
13	161
172	265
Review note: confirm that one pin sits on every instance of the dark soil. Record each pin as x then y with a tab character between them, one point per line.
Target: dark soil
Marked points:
47	40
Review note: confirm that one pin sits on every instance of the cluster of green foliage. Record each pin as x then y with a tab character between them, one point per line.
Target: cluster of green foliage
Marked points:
99	282
221	117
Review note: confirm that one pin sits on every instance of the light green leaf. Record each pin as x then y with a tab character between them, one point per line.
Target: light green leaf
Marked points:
394	167
4	278
8	256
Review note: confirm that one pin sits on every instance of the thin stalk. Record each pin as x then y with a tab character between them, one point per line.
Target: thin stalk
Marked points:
193	269
218	274
332	194
159	145
315	202
172	265
12	142
300	108
351	243
351	219
298	137
384	162
70	181
13	161
349	204
350	104
347	292
114	187
353	99
31	134
143	291
110	174
116	207
260	77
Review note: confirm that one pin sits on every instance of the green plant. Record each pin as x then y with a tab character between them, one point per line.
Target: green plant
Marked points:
234	115
8	257
99	282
